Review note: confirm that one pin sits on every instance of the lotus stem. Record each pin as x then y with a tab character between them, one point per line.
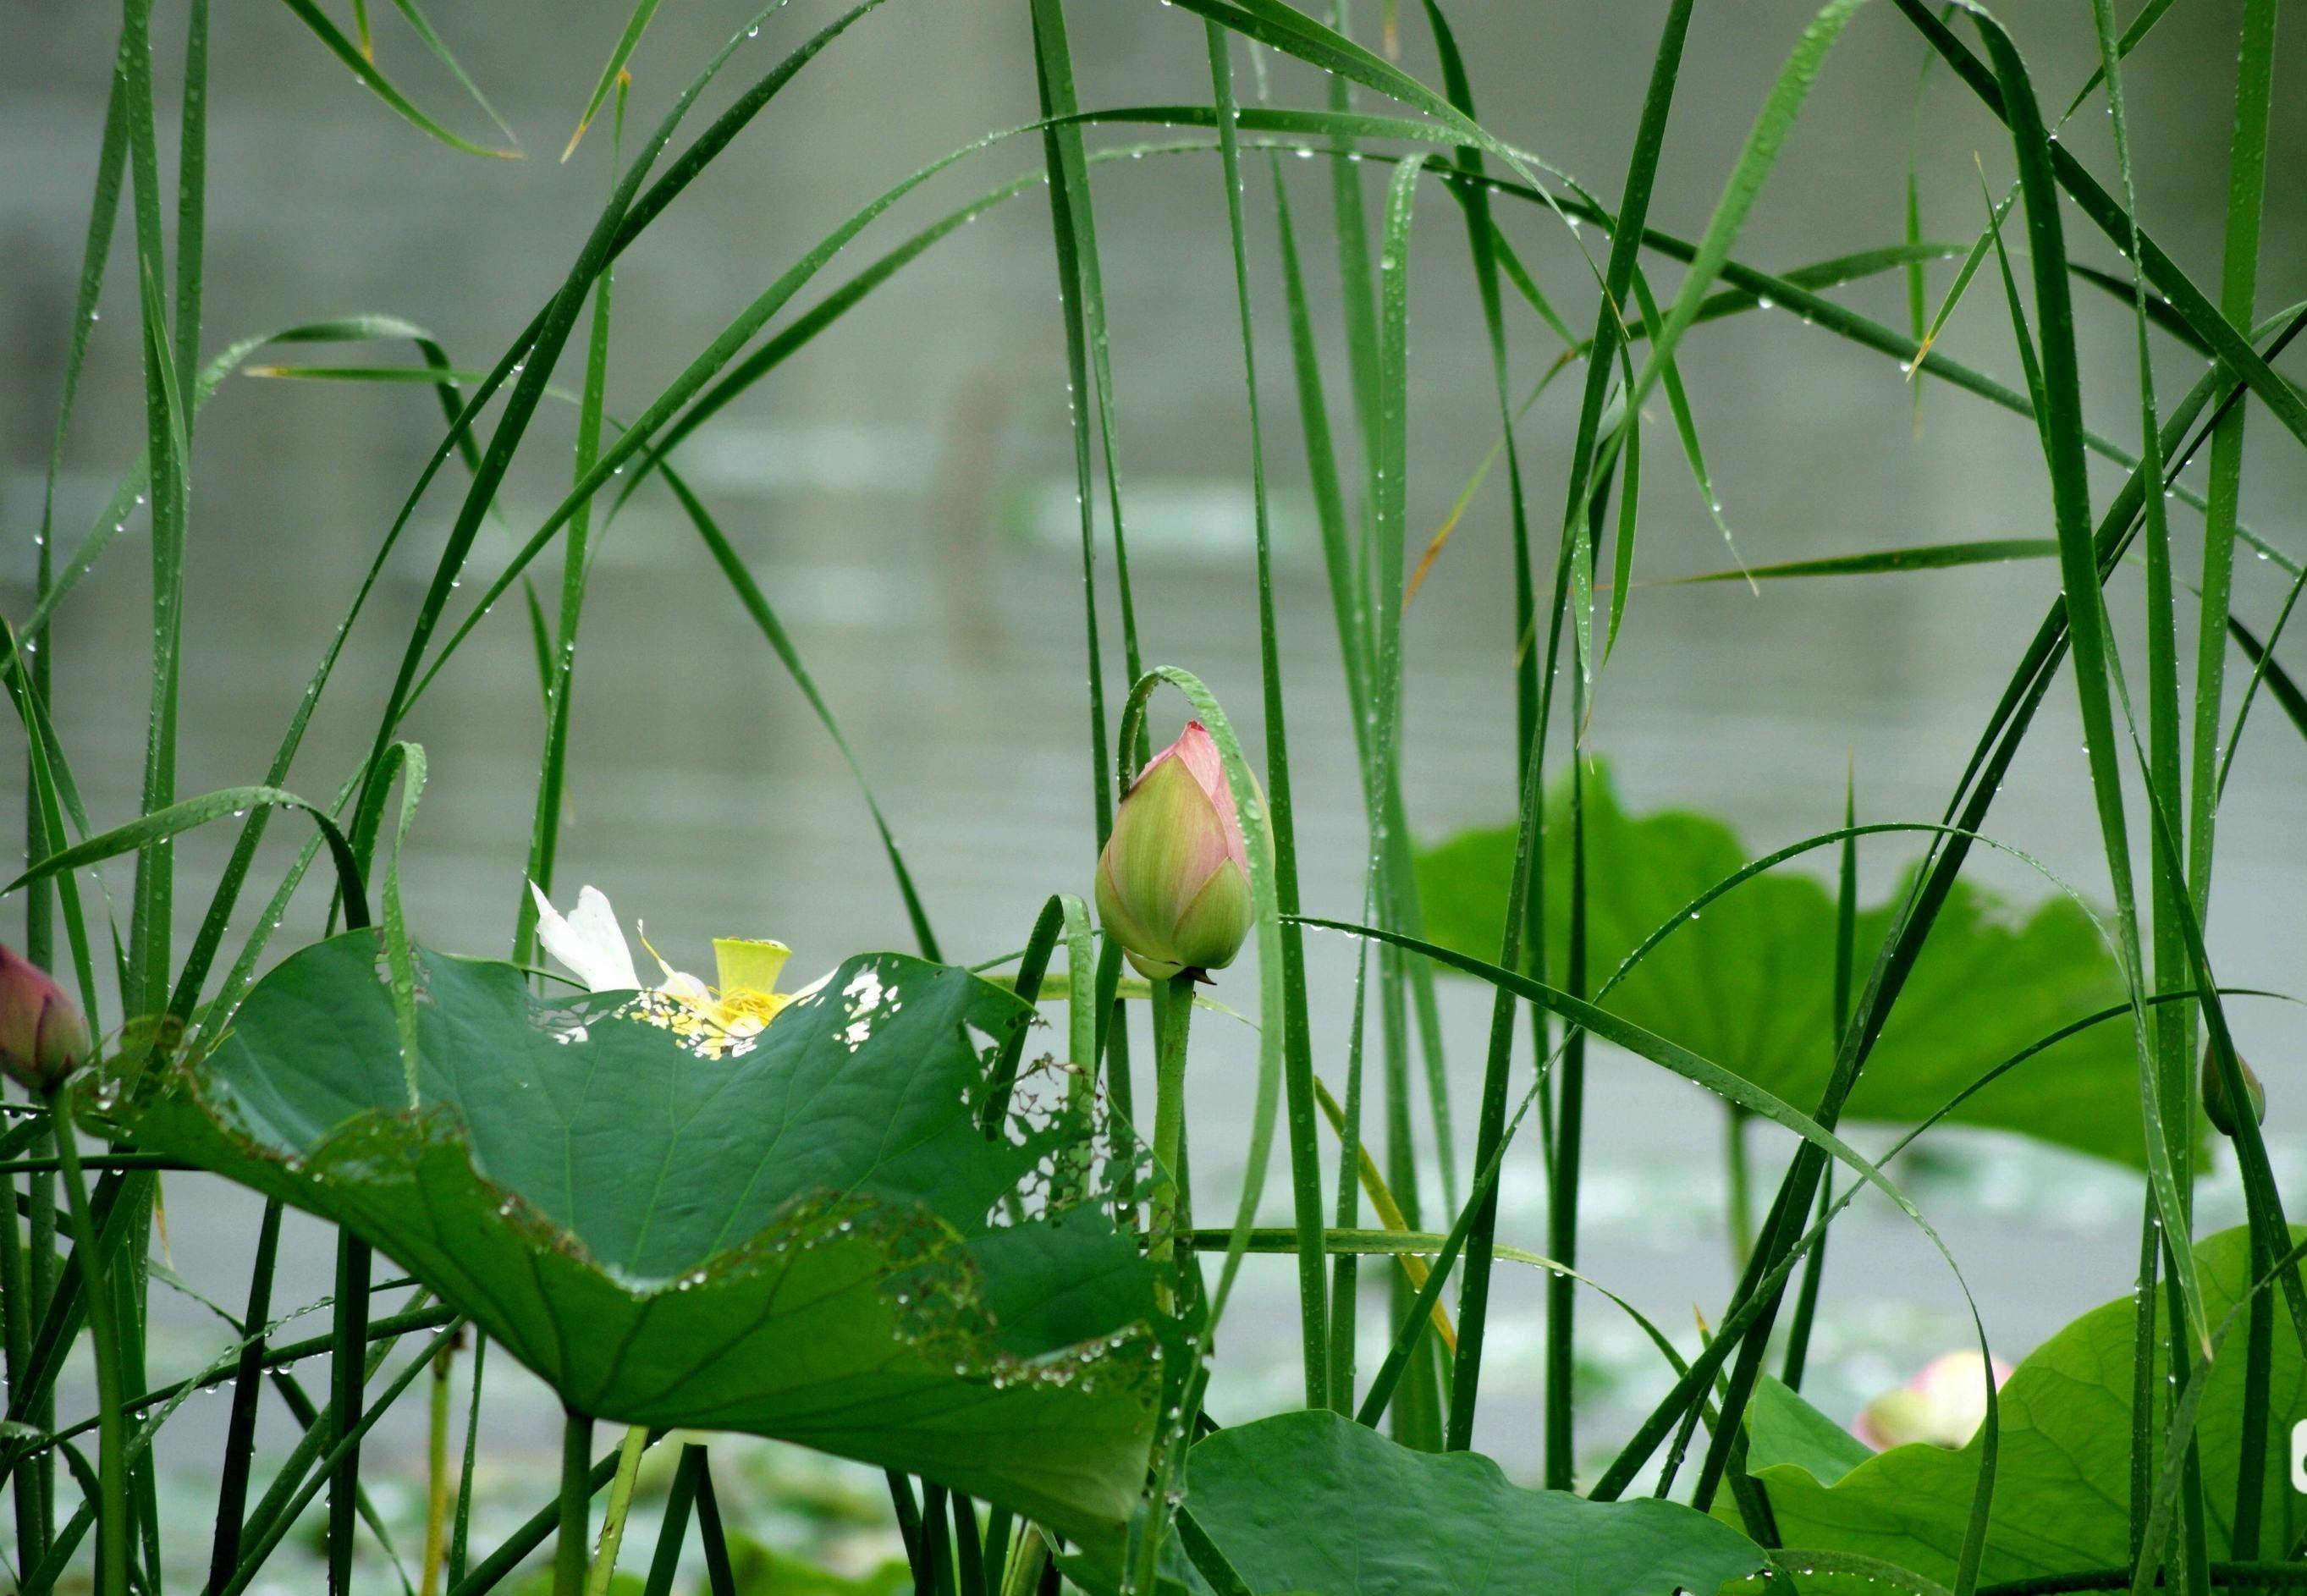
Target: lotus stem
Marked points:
1173	1012
621	1501
568	1562
1741	1178
436	1456
112	1458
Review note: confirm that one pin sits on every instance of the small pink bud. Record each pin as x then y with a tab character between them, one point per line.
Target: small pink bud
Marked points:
1174	882
43	1038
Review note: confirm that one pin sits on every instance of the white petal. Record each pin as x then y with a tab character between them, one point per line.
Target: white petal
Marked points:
552	931
587	942
611	959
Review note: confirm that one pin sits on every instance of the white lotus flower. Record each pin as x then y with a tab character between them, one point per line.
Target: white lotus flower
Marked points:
717	1019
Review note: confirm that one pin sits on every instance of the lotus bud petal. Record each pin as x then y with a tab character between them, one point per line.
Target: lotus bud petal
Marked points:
1943	1406
43	1037
2218	1107
1174	882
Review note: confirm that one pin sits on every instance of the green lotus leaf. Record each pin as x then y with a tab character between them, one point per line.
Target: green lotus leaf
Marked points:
1750	984
1312	1501
2062	1482
809	1237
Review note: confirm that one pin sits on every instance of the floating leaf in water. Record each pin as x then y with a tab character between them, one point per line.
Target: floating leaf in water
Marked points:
1312	1501
1750	983
809	1236
2062	1481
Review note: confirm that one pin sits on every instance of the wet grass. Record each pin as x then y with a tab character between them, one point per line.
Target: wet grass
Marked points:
1384	141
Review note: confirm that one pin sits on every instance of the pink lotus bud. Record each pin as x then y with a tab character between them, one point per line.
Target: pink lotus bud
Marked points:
42	1036
1173	883
1943	1405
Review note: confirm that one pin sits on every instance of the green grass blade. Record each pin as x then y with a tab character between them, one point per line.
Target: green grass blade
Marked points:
51	795
1079	261
1917	270
420	26
612	73
537	351
1298	1063
557	659
2238	291
1925	556
1526	895
460	1534
364	69
1760	154
149	927
2085	613
192	197
1679	1060
2174	1030
2263	667
1686	426
2149	15
240	1427
162	824
757	606
2227	341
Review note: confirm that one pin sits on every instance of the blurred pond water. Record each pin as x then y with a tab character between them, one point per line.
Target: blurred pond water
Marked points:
902	489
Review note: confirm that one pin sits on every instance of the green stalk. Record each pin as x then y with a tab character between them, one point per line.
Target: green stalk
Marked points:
348	1376
575	1504
2146	1391
111	1458
35	1481
492	1570
2250	1469
1741	1194
1846	952
436	1473
279	1518
2173	1027
1569	1141
621	1503
16	1339
41	1233
1345	1270
1173	1014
